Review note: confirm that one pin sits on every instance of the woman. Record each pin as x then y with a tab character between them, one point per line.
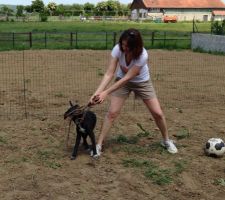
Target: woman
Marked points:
132	75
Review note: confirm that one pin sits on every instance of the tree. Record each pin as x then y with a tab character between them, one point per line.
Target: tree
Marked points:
110	7
124	10
88	7
28	9
218	28
77	9
19	11
60	9
37	6
101	8
5	10
52	8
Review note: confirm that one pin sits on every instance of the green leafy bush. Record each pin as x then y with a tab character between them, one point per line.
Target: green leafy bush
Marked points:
43	17
218	28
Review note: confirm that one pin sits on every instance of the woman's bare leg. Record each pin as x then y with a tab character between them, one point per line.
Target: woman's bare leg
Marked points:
115	107
157	113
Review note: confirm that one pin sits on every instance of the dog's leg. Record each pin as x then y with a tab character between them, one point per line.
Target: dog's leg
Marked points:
85	144
92	136
75	149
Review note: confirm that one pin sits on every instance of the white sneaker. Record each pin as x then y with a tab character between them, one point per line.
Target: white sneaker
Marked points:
98	150
170	146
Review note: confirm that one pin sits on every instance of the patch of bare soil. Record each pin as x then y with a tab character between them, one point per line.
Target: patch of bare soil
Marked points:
34	161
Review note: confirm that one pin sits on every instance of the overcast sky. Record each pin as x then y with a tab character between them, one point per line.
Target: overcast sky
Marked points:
29	2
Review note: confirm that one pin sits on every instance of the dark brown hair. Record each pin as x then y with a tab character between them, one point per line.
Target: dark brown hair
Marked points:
134	42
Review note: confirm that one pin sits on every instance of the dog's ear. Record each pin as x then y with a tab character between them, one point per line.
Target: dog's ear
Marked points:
71	104
71	110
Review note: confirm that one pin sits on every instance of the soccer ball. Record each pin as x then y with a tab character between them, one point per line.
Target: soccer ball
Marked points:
215	147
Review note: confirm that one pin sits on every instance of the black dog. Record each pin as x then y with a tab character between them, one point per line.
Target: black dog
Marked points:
85	121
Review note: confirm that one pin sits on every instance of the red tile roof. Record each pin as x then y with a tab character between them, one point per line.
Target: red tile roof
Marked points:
219	12
183	3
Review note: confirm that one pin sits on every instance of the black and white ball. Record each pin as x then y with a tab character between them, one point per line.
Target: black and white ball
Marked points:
215	147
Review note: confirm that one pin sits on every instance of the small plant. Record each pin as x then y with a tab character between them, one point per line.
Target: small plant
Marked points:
220	181
157	78
150	170
47	157
43	17
3	140
218	28
136	163
44	155
180	166
159	176
124	139
179	110
183	133
131	149
59	95
53	165
144	132
100	73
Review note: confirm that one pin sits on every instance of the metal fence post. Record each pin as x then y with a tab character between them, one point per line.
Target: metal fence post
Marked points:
153	37
106	40
114	38
71	40
13	38
45	40
76	40
30	39
164	39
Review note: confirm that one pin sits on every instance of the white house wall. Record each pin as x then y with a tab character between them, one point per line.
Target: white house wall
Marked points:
182	15
188	15
218	18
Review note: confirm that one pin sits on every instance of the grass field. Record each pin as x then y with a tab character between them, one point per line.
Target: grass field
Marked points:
96	26
92	34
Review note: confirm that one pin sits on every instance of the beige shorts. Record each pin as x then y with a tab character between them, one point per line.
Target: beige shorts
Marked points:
143	90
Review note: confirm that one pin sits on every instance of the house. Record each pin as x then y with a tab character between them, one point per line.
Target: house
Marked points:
184	10
218	15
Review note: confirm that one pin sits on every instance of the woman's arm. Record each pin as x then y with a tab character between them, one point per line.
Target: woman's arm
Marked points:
108	76
132	72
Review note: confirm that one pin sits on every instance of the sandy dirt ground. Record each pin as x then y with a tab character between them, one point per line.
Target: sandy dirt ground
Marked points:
35	160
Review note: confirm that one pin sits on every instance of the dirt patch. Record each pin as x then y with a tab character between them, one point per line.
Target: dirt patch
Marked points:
34	159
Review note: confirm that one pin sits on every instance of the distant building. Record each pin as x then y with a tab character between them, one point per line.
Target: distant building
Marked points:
184	10
218	15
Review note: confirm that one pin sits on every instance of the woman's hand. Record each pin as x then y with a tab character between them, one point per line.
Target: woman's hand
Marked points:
92	100
99	98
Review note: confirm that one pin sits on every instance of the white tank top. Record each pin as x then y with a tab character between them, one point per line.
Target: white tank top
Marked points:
141	62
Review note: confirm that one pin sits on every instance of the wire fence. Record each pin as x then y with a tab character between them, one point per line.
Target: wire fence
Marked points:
40	83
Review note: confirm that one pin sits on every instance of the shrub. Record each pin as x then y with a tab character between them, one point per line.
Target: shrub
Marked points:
218	28
43	17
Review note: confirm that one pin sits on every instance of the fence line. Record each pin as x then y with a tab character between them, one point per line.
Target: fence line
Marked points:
88	40
41	82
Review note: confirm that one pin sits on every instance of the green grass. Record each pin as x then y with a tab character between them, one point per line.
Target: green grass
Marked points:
220	182
3	140
138	156
48	158
93	35
151	171
96	26
183	133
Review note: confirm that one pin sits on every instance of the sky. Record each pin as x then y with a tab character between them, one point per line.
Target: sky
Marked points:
29	2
